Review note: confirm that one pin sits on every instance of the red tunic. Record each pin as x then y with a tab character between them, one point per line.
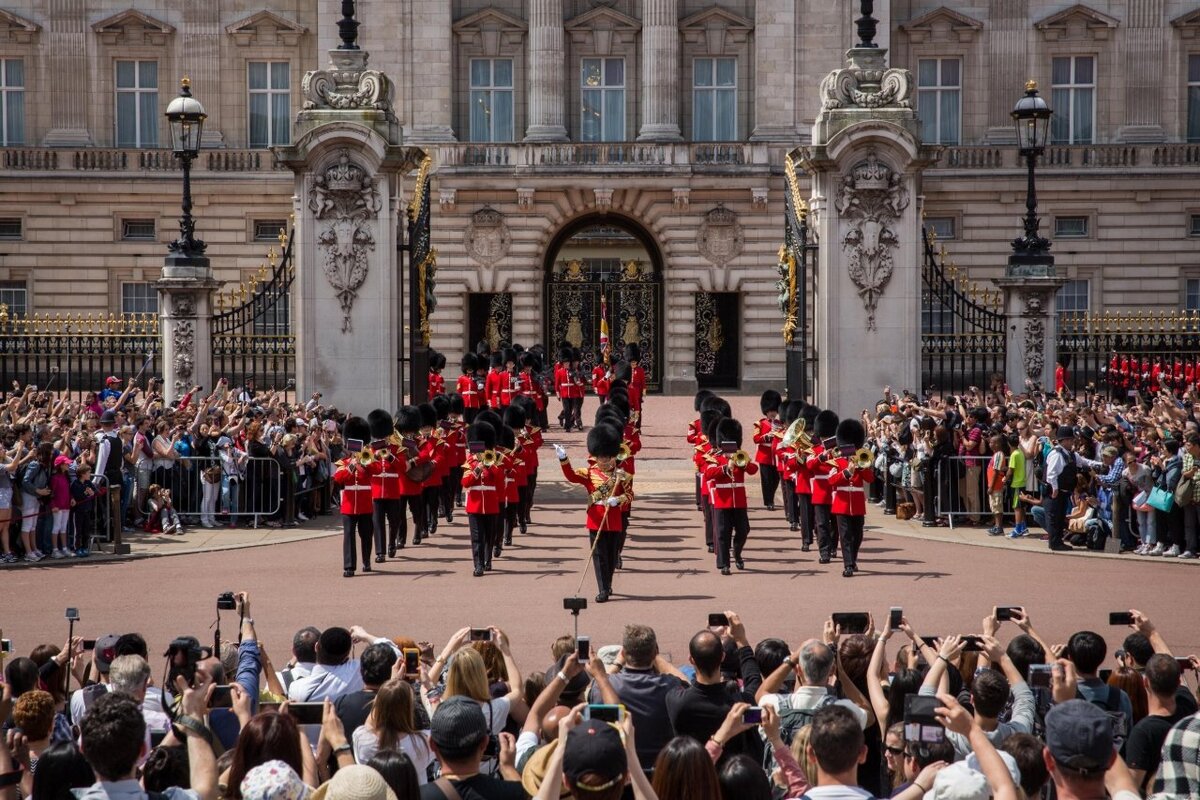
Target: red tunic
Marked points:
765	436
482	496
728	482
560	378
600	486
437	384
472	397
600	380
637	387
818	473
530	440
849	489
356	488
802	476
497	389
693	432
387	474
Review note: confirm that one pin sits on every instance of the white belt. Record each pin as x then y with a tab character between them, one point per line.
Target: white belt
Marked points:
389	475
850	489
356	488
466	392
728	485
820	477
481	488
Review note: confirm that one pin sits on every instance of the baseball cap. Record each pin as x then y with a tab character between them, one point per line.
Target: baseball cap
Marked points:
1080	736
105	652
273	780
595	747
109	381
458	724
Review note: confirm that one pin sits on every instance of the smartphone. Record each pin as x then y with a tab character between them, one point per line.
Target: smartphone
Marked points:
354	445
73	614
493	747
1104	675
5	645
895	615
718	620
929	641
605	713
89	644
221	697
851	621
1120	618
752	715
412	661
920	720
1184	663
583	649
307	713
1039	675
974	644
157	737
481	634
1006	613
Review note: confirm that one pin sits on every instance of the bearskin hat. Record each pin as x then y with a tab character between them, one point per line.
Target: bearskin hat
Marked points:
718	404
617	385
436	360
564	355
527	359
456	403
604	441
427	415
469	362
526	404
508	356
506	437
514	417
825	424
708	423
496	360
576	354
850	433
699	399
490	417
621	402
441	404
622	371
408	419
809	415
633	352
482	433
771	400
612	415
357	428
729	430
788	411
380	423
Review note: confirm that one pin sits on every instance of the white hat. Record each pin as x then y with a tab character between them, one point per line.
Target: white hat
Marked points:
959	782
1009	761
356	782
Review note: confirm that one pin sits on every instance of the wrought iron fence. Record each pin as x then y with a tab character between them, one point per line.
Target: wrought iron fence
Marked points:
962	326
74	354
797	291
1133	350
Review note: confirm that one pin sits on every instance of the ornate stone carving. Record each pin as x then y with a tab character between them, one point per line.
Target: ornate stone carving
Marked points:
487	237
525	197
720	238
183	342
183	305
867	83
1035	346
346	197
347	84
681	199
603	198
1035	302
871	199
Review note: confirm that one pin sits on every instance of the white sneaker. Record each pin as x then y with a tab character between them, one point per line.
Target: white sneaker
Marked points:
1187	554
302	517
68	553
57	554
1157	550
1141	550
31	558
1173	552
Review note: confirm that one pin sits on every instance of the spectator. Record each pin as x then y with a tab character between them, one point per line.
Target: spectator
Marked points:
33	716
269	737
1179	774
399	773
594	763
62	768
1087	651
922	761
1080	751
1026	751
459	736
392	726
102	658
375	667
304	656
1143	749
685	771
335	674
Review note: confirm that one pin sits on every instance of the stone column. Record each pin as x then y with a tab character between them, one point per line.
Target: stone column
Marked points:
547	72
66	49
185	322
660	72
1031	330
200	44
774	70
1008	65
1143	43
432	80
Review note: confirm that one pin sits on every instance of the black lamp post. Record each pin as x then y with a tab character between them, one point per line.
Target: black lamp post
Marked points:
186	117
1031	251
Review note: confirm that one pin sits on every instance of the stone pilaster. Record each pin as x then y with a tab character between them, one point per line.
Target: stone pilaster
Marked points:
1032	330
66	50
200	47
774	70
1143	43
1007	35
660	71
547	76
185	323
432	79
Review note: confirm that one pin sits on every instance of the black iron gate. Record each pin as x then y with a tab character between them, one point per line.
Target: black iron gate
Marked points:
422	272
489	321
962	327
797	291
252	326
717	340
633	296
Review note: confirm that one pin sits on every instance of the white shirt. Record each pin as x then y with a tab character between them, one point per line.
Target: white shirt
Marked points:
1057	460
413	745
302	670
839	793
332	681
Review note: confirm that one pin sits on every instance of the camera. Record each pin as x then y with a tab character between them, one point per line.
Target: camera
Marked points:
184	654
752	716
583	645
1005	613
225	602
920	719
412	661
73	614
1039	675
493	747
575	604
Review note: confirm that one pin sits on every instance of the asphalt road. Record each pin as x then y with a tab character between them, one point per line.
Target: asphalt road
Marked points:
669	581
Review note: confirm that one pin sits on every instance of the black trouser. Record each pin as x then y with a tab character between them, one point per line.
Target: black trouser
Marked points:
416	509
930	489
481	538
804	513
360	524
399	532
575	417
769	476
386	514
604	557
708	522
1056	516
524	501
850	529
450	488
527	501
508	513
789	501
827	534
430	497
733	526
698	491
83	517
624	530
1170	527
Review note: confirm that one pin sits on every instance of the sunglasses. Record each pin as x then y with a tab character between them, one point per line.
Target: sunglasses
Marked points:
896	751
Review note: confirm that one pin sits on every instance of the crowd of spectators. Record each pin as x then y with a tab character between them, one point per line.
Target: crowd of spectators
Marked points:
357	716
232	456
989	458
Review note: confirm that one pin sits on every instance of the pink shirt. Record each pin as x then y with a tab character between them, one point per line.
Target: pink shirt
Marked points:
60	491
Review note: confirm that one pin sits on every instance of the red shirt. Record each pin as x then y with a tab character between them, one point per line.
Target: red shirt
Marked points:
849	491
728	482
600	486
356	488
482	496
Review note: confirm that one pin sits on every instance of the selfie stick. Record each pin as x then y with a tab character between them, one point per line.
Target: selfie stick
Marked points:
217	634
67	671
149	358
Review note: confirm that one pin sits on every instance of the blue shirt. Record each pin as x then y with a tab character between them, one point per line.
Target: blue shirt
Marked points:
1096	691
223	721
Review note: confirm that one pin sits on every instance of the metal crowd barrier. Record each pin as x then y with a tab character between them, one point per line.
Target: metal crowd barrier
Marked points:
955	493
258	490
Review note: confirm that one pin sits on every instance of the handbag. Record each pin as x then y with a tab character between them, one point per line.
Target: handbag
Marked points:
1161	499
1183	492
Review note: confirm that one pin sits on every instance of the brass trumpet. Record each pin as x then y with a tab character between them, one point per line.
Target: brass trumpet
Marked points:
740	459
623	453
489	458
862	458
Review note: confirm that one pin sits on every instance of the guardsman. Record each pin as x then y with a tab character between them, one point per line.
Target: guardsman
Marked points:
728	475
601	377
849	481
820	466
695	433
456	443
357	504
803	482
481	475
496	386
766	431
637	381
385	468
472	397
437	383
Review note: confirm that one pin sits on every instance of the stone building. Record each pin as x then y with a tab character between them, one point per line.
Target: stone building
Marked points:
630	150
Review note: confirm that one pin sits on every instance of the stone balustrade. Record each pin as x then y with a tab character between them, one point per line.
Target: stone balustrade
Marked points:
103	159
1081	156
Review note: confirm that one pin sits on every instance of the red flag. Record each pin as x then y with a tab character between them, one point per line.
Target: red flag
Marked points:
604	327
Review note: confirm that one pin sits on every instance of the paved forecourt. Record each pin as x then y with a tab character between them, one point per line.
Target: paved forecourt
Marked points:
945	581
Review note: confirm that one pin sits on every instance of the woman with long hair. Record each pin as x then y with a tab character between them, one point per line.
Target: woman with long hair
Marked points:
684	771
392	726
61	768
467	675
398	773
269	736
35	492
1130	681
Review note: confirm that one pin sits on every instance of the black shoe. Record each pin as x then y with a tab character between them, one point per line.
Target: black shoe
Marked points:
478	572
507	542
416	540
496	551
854	566
379	559
824	560
524	526
366	566
487	567
725	571
1061	548
449	517
620	563
391	552
432	528
602	597
710	549
771	507
348	573
795	526
847	573
805	548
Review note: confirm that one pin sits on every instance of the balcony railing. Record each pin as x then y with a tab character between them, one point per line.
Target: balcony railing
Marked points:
1081	156
611	156
101	159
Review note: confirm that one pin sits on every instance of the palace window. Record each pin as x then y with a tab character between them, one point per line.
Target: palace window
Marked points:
15	295
1073	297
1191	294
137	104
11	229
1071	227
267	230
602	96
944	227
1193	99
714	99
1073	98
12	102
491	99
270	96
939	99
137	230
139	298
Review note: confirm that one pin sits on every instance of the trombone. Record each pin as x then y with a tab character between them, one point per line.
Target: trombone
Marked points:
489	458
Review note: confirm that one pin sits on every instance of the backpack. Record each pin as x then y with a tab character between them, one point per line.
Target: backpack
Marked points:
791	720
1112	705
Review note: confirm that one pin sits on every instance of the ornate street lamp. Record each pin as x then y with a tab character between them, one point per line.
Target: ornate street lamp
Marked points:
186	116
1031	251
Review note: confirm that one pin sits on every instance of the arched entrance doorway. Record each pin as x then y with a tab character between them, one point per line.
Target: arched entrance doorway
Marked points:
612	259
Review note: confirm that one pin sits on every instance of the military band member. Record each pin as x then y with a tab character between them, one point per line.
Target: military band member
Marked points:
767	430
803	483
357	505
601	377
496	388
728	475
849	482
468	388
706	457
385	468
482	480
695	433
416	468
609	489
820	466
637	380
456	438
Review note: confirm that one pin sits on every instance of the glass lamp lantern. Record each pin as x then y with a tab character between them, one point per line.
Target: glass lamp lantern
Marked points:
186	116
1031	116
